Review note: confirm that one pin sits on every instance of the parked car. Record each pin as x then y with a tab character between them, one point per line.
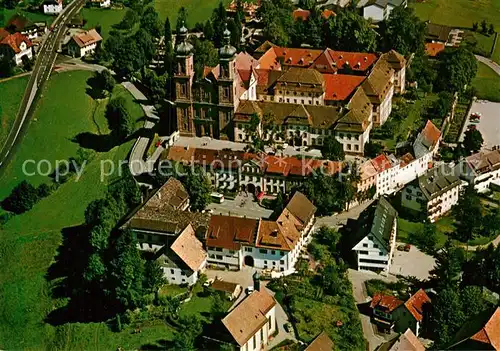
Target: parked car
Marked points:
249	290
407	247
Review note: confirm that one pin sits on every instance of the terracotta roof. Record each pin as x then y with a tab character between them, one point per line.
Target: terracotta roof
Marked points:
490	333
280	235
405	342
171	196
249	316
189	249
415	304
433	49
358	61
15	40
321	343
367	170
229	232
394	59
341	86
427	139
381	163
406	159
302	14
328	13
296	56
480	332
269	60
19	23
265	46
178	154
245	61
87	38
357	119
300	206
222	285
387	302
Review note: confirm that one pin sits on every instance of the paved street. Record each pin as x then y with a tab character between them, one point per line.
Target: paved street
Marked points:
493	65
358	279
341	218
45	59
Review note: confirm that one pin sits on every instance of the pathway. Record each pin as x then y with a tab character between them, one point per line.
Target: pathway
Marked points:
491	64
358	279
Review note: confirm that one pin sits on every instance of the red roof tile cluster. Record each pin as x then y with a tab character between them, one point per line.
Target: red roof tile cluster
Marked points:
230	232
287	166
341	86
87	38
387	302
14	40
431	133
304	14
490	333
381	163
433	49
415	304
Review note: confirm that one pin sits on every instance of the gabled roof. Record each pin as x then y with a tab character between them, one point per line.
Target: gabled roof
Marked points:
249	316
14	40
87	38
302	14
265	46
481	332
394	59
383	221
189	249
296	56
230	232
302	76
426	140
484	162
438	32
388	303
300	206
339	87
19	23
405	342
222	285
321	343
437	181
415	304
381	163
433	49
378	83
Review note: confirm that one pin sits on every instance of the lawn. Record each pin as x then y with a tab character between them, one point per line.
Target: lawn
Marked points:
32	16
374	286
461	13
12	92
29	241
105	17
487	83
198	10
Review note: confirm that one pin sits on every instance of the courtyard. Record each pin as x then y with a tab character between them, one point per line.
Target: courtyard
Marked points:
413	263
489	123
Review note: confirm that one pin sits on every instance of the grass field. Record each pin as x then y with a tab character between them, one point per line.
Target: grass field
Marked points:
198	10
461	13
32	16
12	92
487	83
105	17
28	242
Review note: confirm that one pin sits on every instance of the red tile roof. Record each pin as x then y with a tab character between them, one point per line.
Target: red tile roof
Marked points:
490	333
431	133
14	40
381	163
189	249
341	86
229	232
415	304
358	61
387	302
328	13
297	56
302	14
432	49
87	38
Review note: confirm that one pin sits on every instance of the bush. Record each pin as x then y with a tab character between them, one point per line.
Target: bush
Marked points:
22	198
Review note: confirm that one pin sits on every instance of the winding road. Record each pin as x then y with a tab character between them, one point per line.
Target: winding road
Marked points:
491	64
46	57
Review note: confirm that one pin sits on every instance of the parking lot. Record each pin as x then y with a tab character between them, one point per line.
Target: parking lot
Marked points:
489	123
413	263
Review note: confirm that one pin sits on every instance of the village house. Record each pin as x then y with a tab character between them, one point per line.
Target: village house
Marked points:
407	341
383	307
375	250
20	24
438	33
398	63
167	232
235	242
251	324
229	289
321	343
19	46
480	332
390	313
481	169
433	193
379	87
83	44
52	7
379	10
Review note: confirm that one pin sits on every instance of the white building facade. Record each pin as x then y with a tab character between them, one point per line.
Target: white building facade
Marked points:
52	7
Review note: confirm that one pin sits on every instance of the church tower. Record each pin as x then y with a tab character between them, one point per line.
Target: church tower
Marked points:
226	83
183	80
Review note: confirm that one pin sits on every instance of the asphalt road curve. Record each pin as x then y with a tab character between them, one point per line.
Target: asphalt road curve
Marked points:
45	59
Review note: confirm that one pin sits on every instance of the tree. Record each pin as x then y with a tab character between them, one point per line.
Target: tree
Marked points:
10	4
324	192
145	44
403	31
332	149
120	122
95	269
443	104
373	149
126	272
349	31
150	22
447	316
456	69
484	26
169	58
446	272
22	198
217	309
198	187
235	29
205	54
468	226
426	238
491	29
475	26
473	141
128	21
219	21
473	301
276	19
483	269
307	4
6	61
153	277
208	30
182	17
104	81
156	84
